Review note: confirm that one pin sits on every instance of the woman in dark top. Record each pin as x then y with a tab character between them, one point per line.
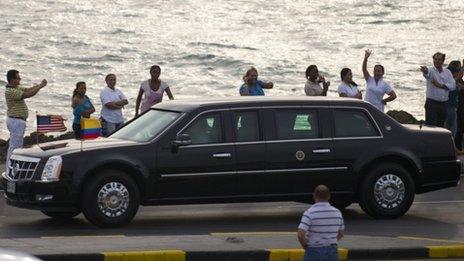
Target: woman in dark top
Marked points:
82	107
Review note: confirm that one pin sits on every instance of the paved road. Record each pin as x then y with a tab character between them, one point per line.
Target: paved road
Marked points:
435	216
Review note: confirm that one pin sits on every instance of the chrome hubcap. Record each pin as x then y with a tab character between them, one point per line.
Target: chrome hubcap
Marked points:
113	199
389	191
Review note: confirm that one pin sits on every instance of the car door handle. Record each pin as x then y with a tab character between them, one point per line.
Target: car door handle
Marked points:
222	155
320	151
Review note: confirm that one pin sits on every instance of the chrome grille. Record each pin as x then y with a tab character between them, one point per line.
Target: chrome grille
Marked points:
22	168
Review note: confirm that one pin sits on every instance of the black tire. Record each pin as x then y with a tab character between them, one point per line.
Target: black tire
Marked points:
119	196
61	215
395	191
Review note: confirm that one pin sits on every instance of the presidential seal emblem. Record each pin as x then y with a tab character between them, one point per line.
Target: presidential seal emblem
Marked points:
300	155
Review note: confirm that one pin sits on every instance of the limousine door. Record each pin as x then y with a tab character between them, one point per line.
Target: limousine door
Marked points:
250	148
299	152
205	168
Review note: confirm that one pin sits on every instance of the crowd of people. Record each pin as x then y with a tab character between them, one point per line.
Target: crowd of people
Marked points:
444	106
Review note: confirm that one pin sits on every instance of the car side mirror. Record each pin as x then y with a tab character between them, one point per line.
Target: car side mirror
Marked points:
181	140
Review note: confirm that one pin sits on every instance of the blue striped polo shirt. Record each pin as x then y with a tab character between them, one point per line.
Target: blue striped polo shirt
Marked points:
321	223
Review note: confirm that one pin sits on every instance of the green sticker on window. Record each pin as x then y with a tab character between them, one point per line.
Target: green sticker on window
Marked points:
302	122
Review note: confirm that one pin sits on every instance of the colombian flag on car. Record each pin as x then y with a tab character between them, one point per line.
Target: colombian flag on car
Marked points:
90	128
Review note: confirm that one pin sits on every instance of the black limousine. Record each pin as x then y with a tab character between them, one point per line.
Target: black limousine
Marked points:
247	149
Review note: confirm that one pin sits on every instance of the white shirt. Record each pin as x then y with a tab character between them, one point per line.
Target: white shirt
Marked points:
444	77
109	95
151	97
313	88
350	90
375	92
321	223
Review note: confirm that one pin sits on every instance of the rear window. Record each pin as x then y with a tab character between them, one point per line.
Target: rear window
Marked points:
353	123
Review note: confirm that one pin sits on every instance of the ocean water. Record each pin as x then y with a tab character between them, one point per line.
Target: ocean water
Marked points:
204	47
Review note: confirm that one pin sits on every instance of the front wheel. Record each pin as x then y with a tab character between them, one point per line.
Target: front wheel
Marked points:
110	199
387	191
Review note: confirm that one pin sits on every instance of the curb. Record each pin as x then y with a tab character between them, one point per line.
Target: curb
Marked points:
443	252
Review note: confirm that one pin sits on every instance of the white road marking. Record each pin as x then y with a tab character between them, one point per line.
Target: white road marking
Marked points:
439	202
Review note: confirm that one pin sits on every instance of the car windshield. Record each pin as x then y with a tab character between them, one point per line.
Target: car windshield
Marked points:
147	126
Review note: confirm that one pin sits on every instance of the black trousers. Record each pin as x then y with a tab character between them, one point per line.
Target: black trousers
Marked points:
435	113
460	128
77	131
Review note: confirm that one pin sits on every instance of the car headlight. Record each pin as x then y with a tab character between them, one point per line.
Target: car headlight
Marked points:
52	169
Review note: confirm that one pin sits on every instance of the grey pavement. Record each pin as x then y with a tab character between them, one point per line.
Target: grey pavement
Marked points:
233	227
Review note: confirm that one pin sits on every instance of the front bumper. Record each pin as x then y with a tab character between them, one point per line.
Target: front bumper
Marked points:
51	196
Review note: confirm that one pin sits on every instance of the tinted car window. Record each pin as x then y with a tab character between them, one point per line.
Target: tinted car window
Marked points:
147	126
205	129
296	124
353	124
246	126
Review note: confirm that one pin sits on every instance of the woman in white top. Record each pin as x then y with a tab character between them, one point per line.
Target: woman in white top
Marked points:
347	87
376	87
152	91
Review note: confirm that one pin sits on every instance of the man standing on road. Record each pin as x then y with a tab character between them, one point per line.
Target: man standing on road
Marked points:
320	228
17	111
113	100
440	82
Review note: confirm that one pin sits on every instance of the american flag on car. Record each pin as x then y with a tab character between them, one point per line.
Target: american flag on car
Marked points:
50	123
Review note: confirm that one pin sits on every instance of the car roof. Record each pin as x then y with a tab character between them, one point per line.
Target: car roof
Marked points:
185	105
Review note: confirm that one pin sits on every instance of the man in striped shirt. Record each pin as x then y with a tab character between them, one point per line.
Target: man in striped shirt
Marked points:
17	111
320	228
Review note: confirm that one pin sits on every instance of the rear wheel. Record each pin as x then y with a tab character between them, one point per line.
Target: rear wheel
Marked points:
110	199
387	191
61	215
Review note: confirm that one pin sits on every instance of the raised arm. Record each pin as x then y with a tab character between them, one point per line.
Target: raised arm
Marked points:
367	53
425	71
268	85
29	92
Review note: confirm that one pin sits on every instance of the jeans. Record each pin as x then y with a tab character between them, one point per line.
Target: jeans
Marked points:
450	122
435	113
16	127
328	253
109	127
